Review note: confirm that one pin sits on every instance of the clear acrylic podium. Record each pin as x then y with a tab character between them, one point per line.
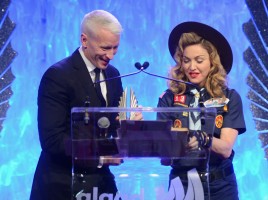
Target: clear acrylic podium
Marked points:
139	153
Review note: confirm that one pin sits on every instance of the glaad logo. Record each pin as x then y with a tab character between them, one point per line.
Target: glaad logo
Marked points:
176	191
95	195
194	190
106	196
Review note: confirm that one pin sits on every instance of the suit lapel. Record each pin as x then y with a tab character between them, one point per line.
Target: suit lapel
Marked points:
85	79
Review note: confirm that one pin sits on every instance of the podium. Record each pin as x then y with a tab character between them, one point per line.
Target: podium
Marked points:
134	157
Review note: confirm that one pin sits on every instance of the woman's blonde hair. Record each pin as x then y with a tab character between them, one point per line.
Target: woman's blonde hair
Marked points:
216	79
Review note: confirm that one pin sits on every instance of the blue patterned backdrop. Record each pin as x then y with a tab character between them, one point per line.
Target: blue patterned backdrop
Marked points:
48	30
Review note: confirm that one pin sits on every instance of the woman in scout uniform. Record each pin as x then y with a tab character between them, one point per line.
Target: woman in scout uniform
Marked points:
204	57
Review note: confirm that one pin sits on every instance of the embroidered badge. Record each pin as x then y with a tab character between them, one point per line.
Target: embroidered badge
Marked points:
225	108
180	99
185	114
219	121
177	123
216	102
197	95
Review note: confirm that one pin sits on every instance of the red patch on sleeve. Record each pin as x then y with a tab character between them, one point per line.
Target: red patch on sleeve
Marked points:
179	98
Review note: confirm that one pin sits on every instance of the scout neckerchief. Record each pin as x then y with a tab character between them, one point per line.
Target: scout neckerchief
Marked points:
194	117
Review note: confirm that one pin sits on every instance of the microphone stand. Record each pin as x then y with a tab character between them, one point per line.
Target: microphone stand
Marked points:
171	79
142	68
86	116
108	79
201	102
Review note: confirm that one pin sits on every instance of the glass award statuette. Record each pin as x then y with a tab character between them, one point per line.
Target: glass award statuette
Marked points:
133	103
123	104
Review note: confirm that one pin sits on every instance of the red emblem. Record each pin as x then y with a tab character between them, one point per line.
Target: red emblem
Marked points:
179	98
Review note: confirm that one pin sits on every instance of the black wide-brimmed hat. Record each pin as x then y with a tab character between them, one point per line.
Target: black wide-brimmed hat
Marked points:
208	33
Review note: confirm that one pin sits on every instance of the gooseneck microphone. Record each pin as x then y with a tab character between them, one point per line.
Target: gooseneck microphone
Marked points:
146	64
116	77
141	68
86	116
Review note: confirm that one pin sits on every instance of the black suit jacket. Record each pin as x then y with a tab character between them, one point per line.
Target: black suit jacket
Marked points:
64	85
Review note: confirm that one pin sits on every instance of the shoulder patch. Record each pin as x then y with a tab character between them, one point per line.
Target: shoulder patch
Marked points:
219	121
179	98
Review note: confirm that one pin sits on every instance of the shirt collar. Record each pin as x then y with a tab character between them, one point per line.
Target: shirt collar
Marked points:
89	65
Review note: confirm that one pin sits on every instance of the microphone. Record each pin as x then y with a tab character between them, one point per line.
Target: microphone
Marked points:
116	77
138	65
86	116
103	124
201	105
144	66
141	68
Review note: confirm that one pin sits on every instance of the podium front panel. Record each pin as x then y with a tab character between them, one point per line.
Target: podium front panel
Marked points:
139	153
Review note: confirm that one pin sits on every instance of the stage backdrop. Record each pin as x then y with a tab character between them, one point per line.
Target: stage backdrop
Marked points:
48	30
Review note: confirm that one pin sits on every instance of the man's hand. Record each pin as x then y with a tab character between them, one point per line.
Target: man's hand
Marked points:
137	116
109	160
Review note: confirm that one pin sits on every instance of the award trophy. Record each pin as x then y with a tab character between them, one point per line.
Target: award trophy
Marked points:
123	104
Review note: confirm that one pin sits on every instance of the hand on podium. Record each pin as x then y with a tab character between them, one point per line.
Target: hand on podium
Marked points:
109	160
136	115
199	139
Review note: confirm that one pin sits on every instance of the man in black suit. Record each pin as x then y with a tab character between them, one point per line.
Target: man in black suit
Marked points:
68	84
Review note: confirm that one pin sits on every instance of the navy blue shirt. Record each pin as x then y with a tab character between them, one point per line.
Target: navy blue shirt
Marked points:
229	116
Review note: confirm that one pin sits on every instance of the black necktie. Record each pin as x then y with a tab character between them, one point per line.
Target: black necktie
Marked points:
98	88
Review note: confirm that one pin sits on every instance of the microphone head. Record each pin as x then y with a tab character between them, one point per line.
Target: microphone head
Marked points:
138	65
103	122
145	65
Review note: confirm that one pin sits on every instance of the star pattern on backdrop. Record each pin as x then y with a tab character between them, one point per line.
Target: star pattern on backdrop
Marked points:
256	30
7	55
